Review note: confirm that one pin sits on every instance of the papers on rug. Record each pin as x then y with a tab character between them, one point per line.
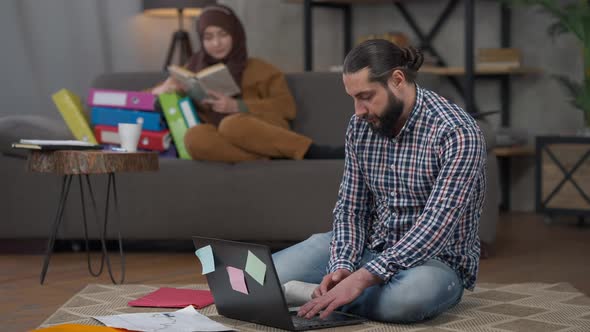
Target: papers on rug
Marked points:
167	297
184	320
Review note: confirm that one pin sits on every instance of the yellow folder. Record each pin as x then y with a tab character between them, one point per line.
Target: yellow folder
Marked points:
70	107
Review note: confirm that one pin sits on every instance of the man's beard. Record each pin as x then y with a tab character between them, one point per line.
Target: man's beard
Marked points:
385	125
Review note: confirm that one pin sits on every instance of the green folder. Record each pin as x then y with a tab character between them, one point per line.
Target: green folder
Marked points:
175	120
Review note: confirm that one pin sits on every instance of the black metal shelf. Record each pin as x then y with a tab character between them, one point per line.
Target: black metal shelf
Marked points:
469	73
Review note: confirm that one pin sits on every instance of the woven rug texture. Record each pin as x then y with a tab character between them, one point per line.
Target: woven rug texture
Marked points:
535	307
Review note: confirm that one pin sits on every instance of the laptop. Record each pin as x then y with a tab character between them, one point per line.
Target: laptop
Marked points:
264	304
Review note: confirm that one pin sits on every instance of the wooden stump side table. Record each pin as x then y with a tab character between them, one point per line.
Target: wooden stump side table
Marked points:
83	163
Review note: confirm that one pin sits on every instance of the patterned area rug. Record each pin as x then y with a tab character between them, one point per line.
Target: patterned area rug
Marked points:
490	308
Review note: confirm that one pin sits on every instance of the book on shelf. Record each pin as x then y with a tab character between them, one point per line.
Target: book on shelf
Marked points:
70	107
497	65
216	78
498	54
498	58
51	145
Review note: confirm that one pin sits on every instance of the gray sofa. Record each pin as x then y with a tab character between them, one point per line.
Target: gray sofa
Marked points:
266	201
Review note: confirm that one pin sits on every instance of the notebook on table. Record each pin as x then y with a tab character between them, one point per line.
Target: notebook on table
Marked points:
52	145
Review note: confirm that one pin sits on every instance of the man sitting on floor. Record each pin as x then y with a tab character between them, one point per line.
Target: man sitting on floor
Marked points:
405	240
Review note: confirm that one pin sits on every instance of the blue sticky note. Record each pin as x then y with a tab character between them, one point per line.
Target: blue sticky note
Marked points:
205	255
255	268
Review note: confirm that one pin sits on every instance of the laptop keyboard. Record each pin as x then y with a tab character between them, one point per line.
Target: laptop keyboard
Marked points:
300	322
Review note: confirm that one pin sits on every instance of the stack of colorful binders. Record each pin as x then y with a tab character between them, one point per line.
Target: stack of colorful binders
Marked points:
111	107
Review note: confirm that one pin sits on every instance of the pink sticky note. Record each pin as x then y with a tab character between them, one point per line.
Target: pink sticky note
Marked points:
167	297
237	280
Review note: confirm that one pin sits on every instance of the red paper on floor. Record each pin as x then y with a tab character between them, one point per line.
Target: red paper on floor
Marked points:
167	297
78	328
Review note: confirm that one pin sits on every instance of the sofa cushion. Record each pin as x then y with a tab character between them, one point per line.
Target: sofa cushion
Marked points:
15	127
323	107
488	132
135	81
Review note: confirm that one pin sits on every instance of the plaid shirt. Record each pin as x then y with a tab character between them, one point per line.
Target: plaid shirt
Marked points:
415	197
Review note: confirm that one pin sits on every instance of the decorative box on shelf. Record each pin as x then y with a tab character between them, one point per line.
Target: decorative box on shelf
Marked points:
563	176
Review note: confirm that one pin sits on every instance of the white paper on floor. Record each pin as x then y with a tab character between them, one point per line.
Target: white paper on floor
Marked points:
184	320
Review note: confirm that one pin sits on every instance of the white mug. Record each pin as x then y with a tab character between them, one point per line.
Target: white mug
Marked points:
129	135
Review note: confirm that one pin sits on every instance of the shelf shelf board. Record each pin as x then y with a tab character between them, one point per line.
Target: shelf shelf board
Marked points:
459	71
514	151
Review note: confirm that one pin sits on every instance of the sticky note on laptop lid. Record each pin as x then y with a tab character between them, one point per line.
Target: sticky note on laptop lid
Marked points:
205	255
237	280
255	268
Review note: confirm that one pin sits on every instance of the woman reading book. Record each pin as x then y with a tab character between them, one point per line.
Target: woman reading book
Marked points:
254	125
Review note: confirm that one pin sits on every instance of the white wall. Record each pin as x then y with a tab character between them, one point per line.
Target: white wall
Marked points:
51	44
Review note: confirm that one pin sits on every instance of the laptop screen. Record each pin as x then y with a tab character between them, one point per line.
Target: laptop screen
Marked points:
244	281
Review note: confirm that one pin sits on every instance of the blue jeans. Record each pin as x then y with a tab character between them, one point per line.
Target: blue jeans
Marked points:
411	295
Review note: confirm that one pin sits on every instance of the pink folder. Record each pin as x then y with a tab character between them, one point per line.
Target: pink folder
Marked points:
122	99
166	297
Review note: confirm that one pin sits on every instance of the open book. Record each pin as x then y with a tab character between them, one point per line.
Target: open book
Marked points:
217	78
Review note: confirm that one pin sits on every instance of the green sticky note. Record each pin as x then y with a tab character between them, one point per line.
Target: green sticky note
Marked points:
255	268
205	255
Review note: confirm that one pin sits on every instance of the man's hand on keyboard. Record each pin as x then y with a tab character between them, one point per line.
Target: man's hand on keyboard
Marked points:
342	293
329	281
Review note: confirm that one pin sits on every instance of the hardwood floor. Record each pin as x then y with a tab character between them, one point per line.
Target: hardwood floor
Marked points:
526	250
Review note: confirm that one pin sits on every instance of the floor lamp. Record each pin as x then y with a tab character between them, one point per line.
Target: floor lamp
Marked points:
180	38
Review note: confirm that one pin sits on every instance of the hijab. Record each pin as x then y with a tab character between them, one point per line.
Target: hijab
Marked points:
223	17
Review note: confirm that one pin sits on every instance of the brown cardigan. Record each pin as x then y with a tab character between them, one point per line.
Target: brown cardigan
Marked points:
265	94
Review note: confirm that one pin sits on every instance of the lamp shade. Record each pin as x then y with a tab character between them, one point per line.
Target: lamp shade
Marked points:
170	7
